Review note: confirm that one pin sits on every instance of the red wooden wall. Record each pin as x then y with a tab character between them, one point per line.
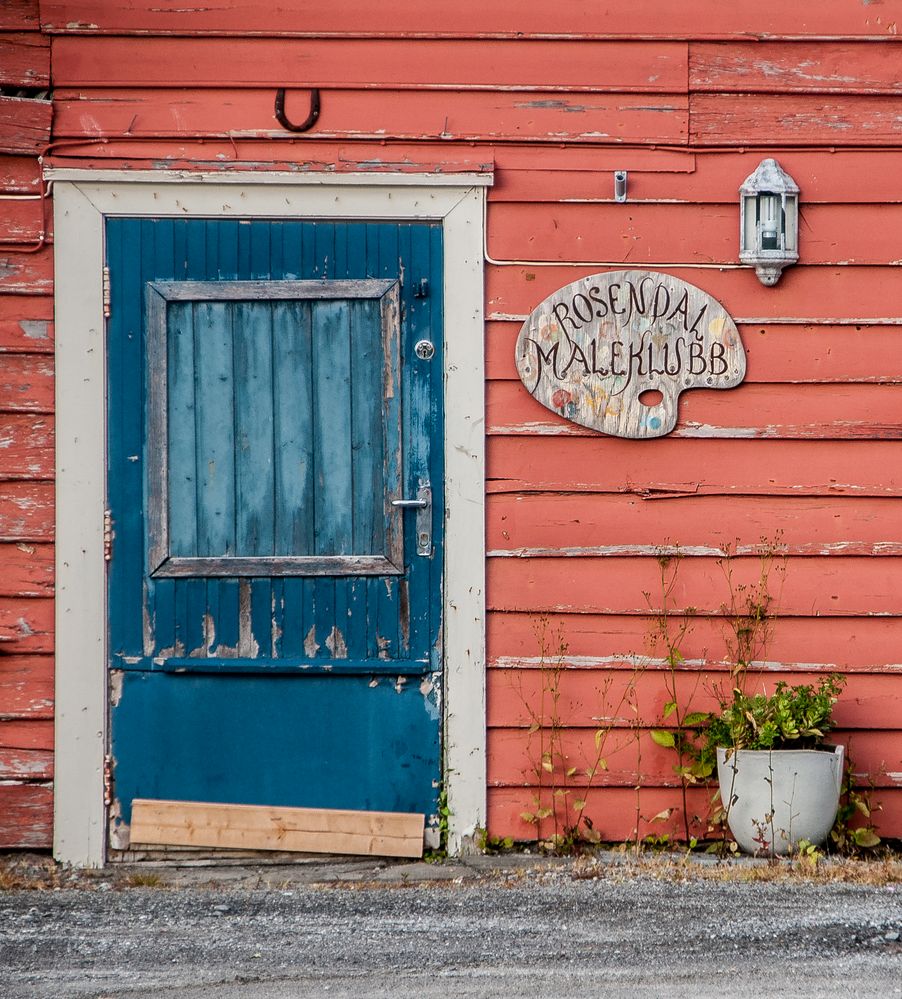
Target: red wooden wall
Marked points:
554	99
26	436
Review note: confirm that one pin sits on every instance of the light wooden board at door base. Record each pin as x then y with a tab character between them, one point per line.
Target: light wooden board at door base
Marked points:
258	827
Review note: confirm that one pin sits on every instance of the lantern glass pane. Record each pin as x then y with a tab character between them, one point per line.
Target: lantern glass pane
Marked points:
791	227
749	224
770	221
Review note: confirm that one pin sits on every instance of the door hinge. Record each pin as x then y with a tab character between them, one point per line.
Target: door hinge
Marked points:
107	535
106	293
108	780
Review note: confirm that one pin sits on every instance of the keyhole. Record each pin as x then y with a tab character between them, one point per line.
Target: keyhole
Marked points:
424	350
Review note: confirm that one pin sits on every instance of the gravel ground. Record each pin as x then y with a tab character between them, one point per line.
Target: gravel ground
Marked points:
498	930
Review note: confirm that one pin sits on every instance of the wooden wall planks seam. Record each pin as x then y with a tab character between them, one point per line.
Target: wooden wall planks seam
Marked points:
814	586
806	294
575	65
26	511
633	752
869	705
20	15
27	447
611	642
26	686
583	175
27	815
794	67
24	124
536	173
794	119
645	234
622	524
22	220
620	812
24	60
471	19
26	274
351	64
26	623
679	466
779	412
541	116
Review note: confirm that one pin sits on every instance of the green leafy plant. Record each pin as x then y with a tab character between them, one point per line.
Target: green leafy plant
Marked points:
792	717
492	844
443	810
855	803
808	854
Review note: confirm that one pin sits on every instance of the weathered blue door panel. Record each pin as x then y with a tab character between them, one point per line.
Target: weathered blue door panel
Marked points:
277	443
319	741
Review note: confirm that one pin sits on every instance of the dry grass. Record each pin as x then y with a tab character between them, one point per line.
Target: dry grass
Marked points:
21	871
142	879
35	872
880	870
29	872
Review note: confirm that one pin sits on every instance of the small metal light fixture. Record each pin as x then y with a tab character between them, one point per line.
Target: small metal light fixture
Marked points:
769	221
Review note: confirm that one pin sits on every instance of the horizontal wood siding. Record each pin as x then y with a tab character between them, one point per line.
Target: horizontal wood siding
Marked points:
769	411
24	59
352	64
609	641
553	100
24	124
646	234
20	15
574	524
472	19
775	67
796	120
800	452
26	436
682	466
540	176
540	116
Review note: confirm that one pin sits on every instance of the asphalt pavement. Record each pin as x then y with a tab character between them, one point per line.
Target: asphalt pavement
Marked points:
507	927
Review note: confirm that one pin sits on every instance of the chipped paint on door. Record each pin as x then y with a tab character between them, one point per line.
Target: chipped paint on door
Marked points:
258	639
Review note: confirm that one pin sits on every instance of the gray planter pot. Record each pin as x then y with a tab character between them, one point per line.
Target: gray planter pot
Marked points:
774	798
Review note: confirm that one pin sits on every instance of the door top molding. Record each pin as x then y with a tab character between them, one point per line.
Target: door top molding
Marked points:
255	177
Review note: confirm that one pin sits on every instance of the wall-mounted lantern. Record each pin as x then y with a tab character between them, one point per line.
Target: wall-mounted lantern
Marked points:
769	221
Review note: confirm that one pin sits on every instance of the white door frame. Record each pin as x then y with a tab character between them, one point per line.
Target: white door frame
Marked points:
83	199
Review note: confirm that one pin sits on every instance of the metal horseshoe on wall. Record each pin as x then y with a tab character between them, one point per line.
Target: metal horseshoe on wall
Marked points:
308	122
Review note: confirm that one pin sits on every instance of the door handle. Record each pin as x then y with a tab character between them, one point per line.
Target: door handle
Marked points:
423	506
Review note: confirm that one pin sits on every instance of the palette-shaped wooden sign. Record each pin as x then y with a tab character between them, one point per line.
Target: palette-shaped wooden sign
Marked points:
613	351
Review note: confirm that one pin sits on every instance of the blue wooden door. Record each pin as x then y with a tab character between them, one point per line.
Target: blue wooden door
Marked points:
274	606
